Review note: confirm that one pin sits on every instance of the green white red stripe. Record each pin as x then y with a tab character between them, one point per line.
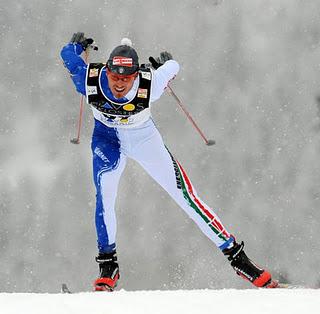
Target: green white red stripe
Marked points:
201	209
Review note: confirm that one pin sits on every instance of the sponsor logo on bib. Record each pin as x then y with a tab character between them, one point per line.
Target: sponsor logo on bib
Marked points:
142	93
92	90
129	107
146	75
93	72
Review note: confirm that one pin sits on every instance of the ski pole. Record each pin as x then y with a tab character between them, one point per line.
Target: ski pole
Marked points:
76	140
185	111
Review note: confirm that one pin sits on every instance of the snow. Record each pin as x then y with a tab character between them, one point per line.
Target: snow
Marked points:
225	301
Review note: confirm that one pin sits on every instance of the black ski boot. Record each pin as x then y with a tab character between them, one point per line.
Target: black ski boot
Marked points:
109	272
247	269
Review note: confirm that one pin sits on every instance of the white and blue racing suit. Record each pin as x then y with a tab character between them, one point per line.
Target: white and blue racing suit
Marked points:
124	129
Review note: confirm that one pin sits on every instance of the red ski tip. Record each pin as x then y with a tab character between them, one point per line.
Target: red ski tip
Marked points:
272	284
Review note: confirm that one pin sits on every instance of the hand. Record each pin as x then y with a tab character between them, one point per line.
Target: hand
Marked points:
159	61
78	38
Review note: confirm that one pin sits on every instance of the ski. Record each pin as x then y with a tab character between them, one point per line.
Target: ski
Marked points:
282	285
65	289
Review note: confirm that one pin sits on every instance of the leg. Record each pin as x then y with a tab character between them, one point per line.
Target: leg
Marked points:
168	172
160	164
108	165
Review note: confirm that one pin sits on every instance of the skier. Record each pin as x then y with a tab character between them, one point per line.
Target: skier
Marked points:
120	93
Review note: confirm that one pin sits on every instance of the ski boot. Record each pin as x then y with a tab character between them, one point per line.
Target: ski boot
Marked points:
247	269
109	272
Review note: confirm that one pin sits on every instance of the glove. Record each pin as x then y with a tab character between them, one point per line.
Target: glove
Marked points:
159	61
78	38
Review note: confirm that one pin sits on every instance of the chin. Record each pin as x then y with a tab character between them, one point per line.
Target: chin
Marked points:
118	94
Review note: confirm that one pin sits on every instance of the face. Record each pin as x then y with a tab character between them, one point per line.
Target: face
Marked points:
120	84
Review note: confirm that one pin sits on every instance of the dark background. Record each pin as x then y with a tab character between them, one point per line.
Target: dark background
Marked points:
249	76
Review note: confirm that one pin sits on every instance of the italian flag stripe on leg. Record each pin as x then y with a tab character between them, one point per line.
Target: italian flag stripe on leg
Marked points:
206	214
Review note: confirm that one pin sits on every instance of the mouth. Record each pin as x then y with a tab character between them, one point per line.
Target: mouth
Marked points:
119	89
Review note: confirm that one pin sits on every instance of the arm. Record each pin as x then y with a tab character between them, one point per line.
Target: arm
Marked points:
70	55
161	77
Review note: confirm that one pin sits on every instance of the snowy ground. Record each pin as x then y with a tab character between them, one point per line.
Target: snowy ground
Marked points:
156	302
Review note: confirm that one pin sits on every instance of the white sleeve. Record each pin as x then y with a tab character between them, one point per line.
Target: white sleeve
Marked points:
161	78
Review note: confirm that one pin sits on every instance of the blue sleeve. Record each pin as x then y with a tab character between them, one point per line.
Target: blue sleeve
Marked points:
70	55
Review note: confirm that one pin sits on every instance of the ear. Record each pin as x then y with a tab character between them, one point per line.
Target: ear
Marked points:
135	75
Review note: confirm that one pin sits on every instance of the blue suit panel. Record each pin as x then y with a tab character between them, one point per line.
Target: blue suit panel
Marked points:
106	155
70	55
